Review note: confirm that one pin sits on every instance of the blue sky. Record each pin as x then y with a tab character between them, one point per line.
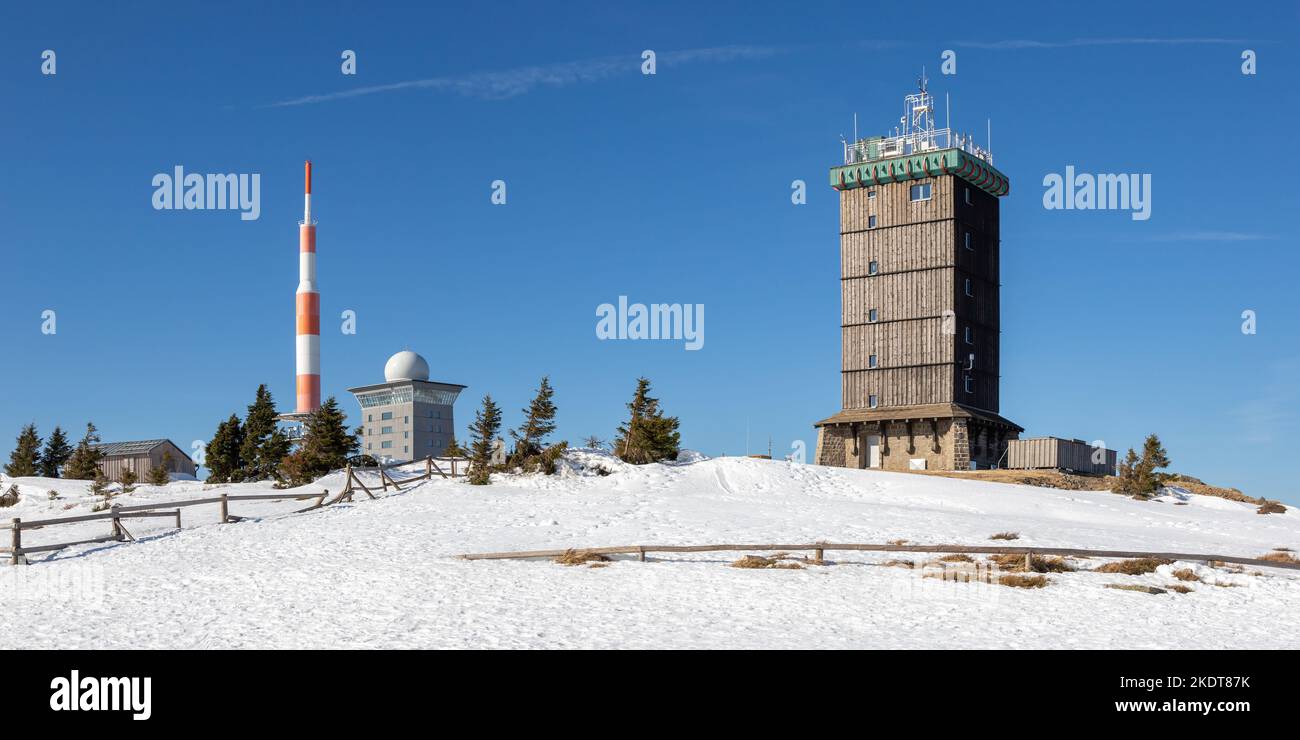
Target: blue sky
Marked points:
666	188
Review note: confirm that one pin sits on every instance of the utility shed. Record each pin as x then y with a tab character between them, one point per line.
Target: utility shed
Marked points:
143	456
1054	453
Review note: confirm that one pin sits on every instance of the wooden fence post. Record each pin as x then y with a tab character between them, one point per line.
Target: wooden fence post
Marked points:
117	523
1029	562
428	467
225	508
817	555
178	518
15	541
453	467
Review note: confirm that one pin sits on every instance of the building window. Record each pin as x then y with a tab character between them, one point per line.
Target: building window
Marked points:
970	336
873	401
968	198
405	448
872	316
871	222
386	416
370	417
386	445
368	446
406	420
873	267
406	435
871	195
969	290
871	361
921	192
969	244
386	430
970	384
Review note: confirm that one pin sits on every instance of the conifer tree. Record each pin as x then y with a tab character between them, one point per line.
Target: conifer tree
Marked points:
128	479
482	434
25	460
539	422
326	445
648	436
99	487
221	453
453	448
158	474
1154	457
83	463
263	444
1138	475
56	453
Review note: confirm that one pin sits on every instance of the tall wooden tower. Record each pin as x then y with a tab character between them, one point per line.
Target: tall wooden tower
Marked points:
919	245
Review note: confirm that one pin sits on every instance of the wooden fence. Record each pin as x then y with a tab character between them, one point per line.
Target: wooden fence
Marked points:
17	552
820	548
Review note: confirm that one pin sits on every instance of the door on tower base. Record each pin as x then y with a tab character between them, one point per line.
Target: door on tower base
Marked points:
873	450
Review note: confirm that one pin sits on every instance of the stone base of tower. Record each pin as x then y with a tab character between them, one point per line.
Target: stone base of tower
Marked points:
933	437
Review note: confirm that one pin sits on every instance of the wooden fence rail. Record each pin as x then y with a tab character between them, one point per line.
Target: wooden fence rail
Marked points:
819	548
17	551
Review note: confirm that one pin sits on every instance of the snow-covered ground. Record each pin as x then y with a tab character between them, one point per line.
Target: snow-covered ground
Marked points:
384	573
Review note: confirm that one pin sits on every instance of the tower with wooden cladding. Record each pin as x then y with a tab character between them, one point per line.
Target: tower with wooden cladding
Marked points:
919	251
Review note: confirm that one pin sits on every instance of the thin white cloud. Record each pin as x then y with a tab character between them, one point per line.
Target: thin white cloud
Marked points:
1011	44
502	84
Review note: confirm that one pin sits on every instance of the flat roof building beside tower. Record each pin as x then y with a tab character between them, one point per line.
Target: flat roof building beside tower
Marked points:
407	417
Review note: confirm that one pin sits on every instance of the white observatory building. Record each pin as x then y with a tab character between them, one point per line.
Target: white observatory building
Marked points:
407	417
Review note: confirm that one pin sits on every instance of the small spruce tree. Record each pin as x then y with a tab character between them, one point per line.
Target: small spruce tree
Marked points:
263	444
326	445
1138	475
539	422
128	479
25	460
158	474
221	453
83	463
453	448
56	453
483	434
648	436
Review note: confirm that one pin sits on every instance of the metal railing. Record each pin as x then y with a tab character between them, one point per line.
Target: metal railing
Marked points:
916	142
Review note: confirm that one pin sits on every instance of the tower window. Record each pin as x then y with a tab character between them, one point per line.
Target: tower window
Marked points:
968	200
386	445
871	195
921	192
387	415
969	291
871	222
873	267
969	243
873	401
871	361
386	430
872	316
970	384
970	336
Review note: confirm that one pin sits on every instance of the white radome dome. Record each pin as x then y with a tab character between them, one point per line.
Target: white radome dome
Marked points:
406	365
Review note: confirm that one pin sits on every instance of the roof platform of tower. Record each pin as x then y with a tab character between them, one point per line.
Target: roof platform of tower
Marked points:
878	170
924	412
918	149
